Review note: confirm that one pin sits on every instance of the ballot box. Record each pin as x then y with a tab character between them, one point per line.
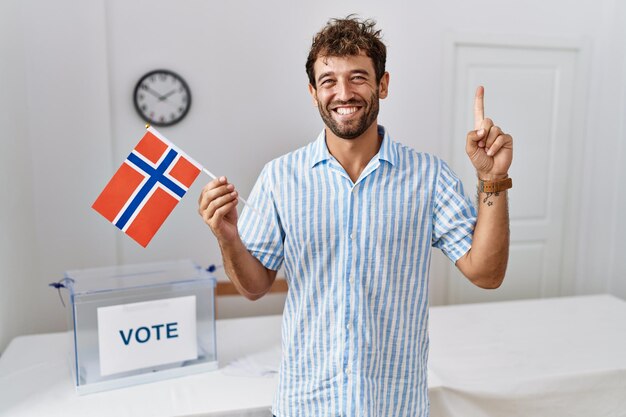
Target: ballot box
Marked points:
139	323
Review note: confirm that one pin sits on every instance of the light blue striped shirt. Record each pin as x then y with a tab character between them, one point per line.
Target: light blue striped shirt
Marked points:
356	258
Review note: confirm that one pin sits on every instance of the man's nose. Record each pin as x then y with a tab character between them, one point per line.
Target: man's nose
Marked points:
344	91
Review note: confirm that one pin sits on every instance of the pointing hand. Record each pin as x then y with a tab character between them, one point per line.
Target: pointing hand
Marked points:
487	146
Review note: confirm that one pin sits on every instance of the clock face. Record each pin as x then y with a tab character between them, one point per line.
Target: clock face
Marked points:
162	98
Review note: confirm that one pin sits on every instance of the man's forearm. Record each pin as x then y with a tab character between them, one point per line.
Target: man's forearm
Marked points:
491	153
248	274
485	264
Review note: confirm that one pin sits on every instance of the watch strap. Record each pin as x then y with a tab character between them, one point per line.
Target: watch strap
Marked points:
494	186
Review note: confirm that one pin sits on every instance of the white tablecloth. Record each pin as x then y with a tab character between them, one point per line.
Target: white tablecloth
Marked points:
553	358
35	380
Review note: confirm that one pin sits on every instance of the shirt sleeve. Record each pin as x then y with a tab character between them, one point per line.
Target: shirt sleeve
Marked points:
454	215
260	228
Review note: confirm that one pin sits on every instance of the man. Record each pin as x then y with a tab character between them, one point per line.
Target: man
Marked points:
352	216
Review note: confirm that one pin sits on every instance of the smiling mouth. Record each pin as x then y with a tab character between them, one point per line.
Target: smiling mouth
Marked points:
346	111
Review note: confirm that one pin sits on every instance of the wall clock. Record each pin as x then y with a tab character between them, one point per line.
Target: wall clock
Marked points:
162	98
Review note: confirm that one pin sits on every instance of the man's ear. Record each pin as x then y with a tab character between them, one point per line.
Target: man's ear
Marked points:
313	93
383	86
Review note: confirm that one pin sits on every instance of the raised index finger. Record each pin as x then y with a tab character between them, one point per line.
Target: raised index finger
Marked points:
479	107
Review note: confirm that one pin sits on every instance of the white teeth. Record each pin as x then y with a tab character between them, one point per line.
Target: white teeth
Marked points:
346	110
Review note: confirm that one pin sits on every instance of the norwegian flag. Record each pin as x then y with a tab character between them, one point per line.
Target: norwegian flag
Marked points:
147	187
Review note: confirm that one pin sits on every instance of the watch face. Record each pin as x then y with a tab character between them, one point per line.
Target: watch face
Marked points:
162	98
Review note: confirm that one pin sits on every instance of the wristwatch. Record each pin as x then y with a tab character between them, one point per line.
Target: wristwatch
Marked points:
496	186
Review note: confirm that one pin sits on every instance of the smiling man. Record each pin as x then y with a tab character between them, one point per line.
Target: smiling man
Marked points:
353	217
347	108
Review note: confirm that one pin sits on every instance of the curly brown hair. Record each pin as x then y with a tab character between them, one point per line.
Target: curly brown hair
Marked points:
346	37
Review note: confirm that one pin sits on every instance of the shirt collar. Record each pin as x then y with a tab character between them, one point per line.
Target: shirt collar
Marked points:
387	151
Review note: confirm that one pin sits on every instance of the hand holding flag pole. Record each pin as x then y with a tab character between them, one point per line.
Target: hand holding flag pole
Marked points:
210	174
147	187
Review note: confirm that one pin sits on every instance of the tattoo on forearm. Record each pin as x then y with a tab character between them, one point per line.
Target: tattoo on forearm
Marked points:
488	196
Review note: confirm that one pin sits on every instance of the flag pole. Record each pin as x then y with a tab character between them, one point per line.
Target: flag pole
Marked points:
210	174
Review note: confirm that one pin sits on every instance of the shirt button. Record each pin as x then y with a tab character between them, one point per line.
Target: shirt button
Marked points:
352	236
348	371
349	326
351	280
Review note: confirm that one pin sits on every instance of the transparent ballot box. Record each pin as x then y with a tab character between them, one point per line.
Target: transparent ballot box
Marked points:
140	323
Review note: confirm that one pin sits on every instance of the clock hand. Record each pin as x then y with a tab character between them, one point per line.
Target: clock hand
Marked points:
153	92
164	97
172	105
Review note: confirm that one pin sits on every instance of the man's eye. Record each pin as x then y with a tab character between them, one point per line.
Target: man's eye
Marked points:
358	78
327	82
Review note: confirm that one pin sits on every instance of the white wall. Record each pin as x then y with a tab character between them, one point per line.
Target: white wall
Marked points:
602	260
68	120
617	283
17	266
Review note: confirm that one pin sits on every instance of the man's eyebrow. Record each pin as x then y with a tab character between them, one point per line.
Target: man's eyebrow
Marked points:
355	71
359	71
324	74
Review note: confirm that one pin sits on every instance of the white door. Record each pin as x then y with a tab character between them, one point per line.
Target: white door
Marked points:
531	91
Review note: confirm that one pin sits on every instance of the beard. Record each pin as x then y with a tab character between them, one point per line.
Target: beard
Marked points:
353	128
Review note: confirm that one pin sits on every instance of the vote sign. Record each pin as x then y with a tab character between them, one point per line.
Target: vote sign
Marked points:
146	334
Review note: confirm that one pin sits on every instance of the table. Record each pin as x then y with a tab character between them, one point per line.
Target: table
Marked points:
35	380
550	357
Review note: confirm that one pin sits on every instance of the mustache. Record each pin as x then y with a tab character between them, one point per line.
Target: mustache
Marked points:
352	102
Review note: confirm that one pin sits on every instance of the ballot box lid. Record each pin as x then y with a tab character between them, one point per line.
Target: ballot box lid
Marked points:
112	278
